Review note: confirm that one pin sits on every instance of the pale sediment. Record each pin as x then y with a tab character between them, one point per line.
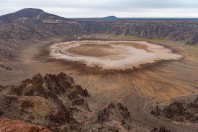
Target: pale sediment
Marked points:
112	54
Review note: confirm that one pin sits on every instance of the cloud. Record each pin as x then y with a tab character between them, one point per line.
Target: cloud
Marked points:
98	8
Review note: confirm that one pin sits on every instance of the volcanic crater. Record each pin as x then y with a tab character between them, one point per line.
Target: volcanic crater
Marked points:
112	54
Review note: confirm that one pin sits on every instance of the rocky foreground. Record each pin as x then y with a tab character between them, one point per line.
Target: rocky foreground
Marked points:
58	104
179	111
55	103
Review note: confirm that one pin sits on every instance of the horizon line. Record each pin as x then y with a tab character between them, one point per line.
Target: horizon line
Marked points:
191	18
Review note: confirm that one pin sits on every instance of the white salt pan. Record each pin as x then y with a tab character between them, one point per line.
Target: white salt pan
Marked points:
126	56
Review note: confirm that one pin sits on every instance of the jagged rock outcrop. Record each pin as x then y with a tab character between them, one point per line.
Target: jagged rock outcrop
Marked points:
179	111
114	117
49	101
7	125
56	102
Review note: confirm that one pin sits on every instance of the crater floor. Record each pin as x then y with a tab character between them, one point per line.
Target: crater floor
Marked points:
112	54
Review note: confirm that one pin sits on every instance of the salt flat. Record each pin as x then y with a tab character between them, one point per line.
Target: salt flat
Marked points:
112	54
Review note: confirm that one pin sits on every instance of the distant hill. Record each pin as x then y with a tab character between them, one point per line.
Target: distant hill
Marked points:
31	14
110	18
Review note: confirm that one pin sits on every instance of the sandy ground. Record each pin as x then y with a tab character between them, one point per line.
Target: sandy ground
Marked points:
116	56
92	50
139	90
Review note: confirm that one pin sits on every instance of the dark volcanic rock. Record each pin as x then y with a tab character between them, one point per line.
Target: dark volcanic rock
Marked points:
44	100
47	86
179	111
115	112
76	91
56	102
157	111
174	110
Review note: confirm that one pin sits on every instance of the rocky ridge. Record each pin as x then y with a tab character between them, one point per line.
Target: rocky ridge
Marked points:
35	25
179	111
48	101
116	114
57	103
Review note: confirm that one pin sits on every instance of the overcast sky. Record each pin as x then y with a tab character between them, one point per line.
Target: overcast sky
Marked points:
101	8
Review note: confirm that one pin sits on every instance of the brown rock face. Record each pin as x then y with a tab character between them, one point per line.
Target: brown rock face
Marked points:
7	125
115	112
56	102
179	111
44	100
49	85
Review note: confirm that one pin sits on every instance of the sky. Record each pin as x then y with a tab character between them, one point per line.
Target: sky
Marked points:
102	8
